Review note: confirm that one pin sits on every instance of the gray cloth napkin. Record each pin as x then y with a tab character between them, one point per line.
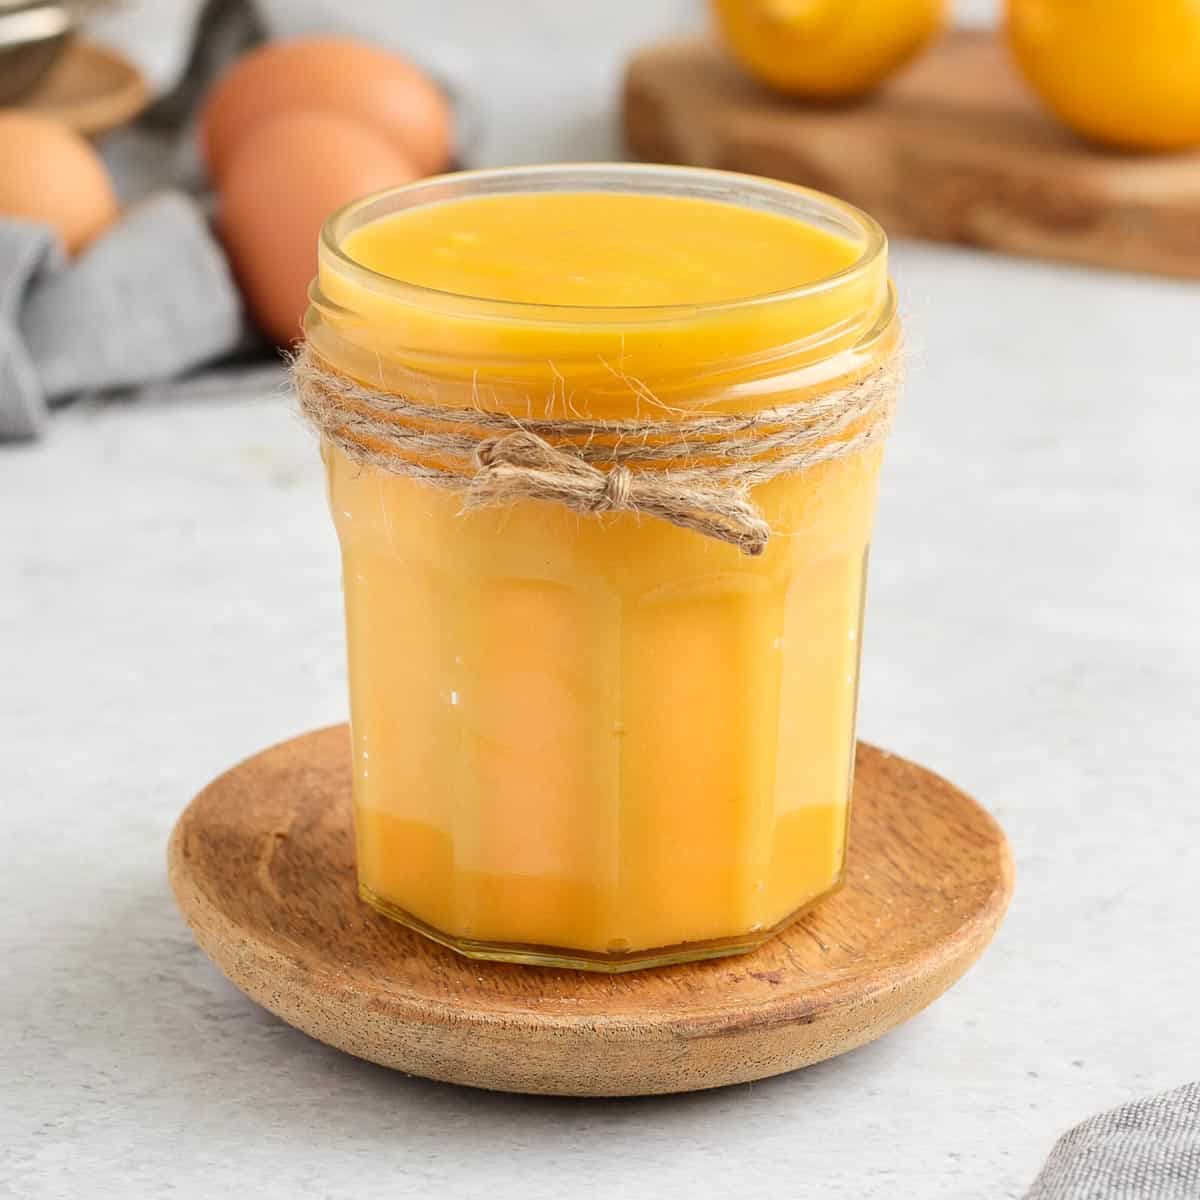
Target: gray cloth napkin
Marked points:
151	299
1146	1150
27	253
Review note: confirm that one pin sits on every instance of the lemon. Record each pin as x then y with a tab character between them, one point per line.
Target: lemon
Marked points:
827	49
1123	72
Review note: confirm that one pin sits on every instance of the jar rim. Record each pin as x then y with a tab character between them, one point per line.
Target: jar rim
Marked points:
728	187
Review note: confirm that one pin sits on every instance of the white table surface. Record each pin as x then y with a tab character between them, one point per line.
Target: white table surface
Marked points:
170	603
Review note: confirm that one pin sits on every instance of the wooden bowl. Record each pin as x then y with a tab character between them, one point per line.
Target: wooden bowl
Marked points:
91	88
32	38
262	864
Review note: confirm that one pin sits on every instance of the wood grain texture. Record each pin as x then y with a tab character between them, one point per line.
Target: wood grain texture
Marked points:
956	148
262	864
91	88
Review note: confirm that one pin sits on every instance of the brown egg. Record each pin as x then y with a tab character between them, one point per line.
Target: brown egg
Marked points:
286	177
48	173
379	89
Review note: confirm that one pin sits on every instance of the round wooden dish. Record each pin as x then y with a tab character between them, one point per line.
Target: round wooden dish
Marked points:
262	863
90	88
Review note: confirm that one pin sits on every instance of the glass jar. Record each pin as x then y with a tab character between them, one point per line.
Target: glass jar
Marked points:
601	742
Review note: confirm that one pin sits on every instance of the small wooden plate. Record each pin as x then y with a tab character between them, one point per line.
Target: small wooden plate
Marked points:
956	148
90	88
262	863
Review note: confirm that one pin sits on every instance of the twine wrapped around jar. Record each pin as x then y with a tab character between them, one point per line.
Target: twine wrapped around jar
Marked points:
692	470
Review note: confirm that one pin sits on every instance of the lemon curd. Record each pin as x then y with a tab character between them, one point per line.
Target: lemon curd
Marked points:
601	741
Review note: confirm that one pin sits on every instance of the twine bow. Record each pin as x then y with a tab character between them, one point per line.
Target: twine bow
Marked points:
693	471
523	466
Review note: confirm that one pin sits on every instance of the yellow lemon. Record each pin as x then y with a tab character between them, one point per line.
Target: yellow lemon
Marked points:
1125	72
827	49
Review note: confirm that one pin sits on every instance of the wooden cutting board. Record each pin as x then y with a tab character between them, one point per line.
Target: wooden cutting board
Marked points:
262	864
956	148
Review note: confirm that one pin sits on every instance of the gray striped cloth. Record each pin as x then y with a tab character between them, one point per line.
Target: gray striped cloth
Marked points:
1146	1150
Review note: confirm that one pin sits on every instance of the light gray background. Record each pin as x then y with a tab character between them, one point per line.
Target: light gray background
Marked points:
169	602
